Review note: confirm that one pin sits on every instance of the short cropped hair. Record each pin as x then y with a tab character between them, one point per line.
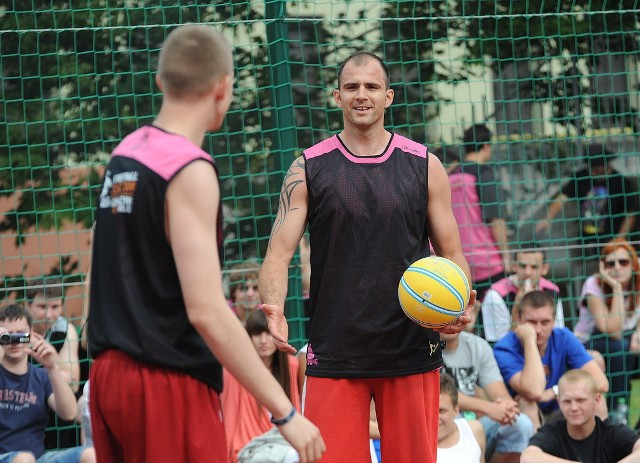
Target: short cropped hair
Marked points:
574	376
448	387
536	300
533	247
475	137
48	288
361	58
191	58
12	312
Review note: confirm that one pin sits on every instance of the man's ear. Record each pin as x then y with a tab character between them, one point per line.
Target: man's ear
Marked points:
389	100
545	269
336	97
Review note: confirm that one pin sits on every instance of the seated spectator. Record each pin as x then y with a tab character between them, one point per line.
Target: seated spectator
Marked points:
459	440
244	418
469	359
45	303
502	297
243	289
581	435
534	356
27	390
609	320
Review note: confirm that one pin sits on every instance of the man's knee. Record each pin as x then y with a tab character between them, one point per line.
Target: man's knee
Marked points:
88	455
515	437
24	457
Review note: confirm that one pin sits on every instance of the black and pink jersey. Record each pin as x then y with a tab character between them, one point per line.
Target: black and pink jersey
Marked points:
367	224
136	303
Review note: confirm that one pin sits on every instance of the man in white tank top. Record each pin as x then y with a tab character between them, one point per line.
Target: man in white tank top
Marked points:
459	440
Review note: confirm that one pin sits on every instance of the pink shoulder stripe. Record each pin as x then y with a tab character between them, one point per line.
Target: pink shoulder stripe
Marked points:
408	146
323	147
164	153
397	142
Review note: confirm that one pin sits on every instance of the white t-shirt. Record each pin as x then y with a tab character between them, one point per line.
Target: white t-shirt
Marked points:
466	450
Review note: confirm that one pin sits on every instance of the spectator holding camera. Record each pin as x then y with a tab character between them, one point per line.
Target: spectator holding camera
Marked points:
26	391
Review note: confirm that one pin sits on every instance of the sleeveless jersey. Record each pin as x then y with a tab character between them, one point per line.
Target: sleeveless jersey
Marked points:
479	247
136	303
466	450
367	224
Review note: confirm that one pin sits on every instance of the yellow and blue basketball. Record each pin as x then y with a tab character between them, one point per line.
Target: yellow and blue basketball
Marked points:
434	292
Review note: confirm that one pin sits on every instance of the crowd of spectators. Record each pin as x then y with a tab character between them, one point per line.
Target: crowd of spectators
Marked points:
554	370
519	380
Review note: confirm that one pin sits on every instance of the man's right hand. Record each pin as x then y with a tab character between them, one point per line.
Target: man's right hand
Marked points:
305	437
504	411
278	327
525	332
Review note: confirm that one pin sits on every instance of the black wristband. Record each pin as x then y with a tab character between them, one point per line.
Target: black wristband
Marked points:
284	420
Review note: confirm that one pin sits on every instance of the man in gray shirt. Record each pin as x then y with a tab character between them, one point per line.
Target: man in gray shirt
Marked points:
469	359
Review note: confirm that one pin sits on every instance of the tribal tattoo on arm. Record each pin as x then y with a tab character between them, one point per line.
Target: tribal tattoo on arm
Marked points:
293	178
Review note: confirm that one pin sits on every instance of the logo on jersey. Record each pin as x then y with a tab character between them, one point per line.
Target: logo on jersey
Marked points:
118	191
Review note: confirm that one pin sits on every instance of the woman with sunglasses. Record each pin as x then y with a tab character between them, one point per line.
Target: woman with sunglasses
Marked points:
609	320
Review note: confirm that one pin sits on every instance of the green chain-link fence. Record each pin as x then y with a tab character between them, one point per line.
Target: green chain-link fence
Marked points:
548	77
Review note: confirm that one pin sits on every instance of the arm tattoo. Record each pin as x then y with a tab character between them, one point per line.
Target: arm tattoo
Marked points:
291	181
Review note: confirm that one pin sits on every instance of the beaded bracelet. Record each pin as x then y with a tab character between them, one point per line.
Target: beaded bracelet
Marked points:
284	420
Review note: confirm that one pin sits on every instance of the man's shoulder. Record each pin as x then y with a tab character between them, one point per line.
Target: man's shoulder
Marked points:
548	285
325	146
508	341
503	287
473	341
33	371
562	333
409	146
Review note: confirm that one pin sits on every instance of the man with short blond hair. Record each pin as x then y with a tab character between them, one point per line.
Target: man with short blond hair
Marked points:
581	435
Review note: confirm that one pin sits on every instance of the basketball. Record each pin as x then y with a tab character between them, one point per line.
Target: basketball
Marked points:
434	292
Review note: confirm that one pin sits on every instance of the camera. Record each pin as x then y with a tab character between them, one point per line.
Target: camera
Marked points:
14	338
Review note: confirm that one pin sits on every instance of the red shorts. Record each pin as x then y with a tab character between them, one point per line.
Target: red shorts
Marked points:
146	414
407	408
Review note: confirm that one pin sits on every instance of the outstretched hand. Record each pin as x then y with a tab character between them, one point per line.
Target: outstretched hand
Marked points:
462	321
278	327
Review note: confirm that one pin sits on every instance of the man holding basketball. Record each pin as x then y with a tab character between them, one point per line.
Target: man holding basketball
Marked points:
372	200
161	328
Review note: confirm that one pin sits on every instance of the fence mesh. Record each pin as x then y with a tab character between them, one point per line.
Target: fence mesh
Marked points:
548	78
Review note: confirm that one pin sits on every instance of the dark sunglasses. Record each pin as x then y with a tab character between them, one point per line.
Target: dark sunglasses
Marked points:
611	263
